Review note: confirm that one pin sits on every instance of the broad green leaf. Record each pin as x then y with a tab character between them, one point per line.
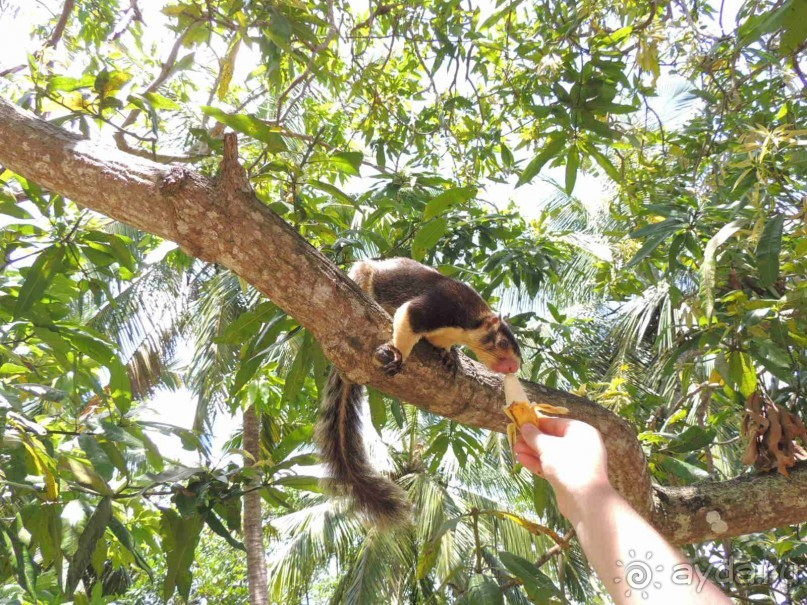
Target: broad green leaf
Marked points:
538	586
247	324
334	191
107	82
347	162
158	101
541	494
756	26
24	567
12	208
290	442
647	248
38	277
795	28
378	408
249	125
428	236
300	368
572	163
693	438
68	84
482	590
681	469
550	150
604	163
215	524
85	474
180	536
742	374
445	200
428	556
301	482
125	538
768	248
95	528
666	226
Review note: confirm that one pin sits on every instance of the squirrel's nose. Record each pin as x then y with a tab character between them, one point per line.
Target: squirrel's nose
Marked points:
506	366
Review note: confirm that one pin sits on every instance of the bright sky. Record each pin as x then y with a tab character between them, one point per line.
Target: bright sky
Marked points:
18	17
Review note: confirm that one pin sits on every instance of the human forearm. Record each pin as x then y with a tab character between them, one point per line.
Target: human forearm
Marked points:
635	563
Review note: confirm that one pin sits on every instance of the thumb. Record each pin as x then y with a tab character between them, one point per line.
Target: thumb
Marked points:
537	440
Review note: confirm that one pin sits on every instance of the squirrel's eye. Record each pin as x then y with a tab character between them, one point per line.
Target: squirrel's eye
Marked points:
504	344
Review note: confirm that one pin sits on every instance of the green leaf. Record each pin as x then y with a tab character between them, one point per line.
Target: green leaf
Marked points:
95	528
709	266
289	443
12	208
482	590
125	538
647	248
572	163
443	201
333	190
541	494
301	482
553	146
347	162
428	236
666	226
742	374
378	408
795	28
92	347
249	125
683	470
538	586
247	324
693	438
68	84
24	567
759	25
604	163
180	535
85	474
38	278
770	243
158	101
428	556
295	379
217	526
507	156
107	82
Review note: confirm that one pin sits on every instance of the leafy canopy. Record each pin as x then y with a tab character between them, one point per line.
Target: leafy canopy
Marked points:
626	179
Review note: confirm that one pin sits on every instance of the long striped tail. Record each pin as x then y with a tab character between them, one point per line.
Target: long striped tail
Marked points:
342	450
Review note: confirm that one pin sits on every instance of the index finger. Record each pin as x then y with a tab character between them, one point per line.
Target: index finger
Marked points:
552	425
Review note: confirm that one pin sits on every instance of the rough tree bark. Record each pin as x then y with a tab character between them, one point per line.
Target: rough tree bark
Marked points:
221	220
253	522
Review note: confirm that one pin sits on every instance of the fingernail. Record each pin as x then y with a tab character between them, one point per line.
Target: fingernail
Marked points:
529	430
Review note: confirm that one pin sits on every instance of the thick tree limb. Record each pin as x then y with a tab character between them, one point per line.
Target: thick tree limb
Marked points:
222	221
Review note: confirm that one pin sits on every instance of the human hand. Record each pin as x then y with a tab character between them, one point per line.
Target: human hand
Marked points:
570	455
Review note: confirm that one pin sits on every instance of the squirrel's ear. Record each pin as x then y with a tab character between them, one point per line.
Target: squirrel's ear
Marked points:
493	321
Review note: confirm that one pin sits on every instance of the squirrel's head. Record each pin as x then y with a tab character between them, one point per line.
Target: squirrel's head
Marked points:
495	345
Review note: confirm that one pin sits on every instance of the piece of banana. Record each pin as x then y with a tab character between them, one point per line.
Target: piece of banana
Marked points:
519	409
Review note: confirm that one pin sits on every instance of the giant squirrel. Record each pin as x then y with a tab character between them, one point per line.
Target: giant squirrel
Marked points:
424	304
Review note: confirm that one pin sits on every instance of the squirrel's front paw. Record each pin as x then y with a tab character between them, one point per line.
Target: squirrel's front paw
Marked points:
390	358
450	359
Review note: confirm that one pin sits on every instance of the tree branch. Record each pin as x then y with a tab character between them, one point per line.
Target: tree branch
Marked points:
60	26
223	221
